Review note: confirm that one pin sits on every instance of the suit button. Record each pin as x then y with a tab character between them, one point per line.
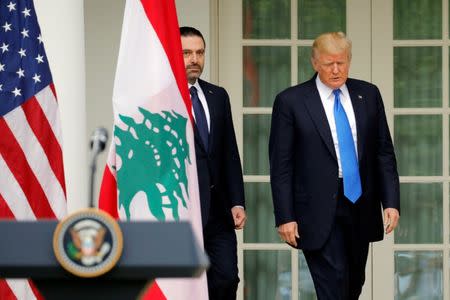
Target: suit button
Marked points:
211	186
334	196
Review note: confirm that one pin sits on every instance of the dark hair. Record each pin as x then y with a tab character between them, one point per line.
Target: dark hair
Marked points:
191	31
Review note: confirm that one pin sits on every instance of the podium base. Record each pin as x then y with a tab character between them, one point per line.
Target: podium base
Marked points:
87	289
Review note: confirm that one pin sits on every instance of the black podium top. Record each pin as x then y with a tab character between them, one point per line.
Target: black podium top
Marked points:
150	250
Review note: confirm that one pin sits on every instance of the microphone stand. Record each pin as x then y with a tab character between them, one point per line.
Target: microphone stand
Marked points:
98	142
93	169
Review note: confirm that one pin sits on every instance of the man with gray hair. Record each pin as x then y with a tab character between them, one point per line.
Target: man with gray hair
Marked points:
333	170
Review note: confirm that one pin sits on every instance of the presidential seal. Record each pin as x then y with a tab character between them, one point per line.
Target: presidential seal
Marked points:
88	243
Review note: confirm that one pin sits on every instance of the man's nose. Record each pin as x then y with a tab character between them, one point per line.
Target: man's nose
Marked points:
335	68
194	57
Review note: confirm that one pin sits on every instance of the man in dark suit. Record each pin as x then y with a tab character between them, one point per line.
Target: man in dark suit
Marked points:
333	169
219	170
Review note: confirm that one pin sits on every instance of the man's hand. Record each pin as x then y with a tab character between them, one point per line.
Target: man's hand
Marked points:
239	217
288	232
391	216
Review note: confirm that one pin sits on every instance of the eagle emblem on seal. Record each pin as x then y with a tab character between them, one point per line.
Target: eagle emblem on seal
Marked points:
88	245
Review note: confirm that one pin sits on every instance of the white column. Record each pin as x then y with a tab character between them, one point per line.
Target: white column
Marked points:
62	27
195	13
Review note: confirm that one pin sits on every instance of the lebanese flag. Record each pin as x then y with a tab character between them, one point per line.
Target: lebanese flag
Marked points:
151	171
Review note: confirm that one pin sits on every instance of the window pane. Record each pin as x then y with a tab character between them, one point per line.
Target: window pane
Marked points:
417	19
260	225
305	69
417	77
421	220
267	275
418	275
267	71
266	19
418	143
319	16
306	285
256	144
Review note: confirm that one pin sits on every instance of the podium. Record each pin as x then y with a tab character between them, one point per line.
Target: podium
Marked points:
150	250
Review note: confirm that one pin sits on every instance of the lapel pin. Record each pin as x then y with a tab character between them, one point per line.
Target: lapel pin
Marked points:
360	97
209	91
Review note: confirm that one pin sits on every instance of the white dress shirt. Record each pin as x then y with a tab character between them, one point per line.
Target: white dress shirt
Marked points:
327	98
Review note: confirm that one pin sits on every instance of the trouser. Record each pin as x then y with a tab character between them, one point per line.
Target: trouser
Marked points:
338	268
221	247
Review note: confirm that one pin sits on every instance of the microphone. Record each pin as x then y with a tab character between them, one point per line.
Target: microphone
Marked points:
98	141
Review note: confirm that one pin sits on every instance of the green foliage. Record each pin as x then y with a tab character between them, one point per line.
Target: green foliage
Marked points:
266	19
417	19
318	16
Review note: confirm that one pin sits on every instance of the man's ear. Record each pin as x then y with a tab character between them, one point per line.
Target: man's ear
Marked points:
313	63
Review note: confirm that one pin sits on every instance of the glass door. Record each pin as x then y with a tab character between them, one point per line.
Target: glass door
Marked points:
411	67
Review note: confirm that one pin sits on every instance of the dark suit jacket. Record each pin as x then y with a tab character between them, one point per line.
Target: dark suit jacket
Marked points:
218	167
304	168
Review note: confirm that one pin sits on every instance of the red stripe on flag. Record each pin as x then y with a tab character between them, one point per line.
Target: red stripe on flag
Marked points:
52	87
5	211
35	290
153	293
17	163
108	194
163	17
44	133
5	291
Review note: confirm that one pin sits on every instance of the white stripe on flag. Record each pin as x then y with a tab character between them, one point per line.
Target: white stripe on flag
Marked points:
21	289
49	105
13	194
111	162
38	161
142	58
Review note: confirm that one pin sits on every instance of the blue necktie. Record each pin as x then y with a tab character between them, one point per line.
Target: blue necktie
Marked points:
349	161
200	116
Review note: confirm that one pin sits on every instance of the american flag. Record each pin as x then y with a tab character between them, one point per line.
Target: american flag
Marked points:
31	167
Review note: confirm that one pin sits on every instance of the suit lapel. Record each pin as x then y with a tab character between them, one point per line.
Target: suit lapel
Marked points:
317	113
357	99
